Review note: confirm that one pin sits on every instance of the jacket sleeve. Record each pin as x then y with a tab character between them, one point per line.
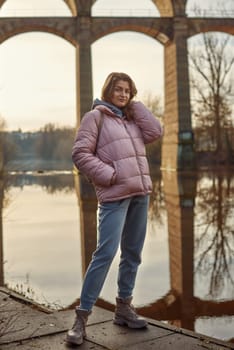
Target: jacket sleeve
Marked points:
83	152
150	126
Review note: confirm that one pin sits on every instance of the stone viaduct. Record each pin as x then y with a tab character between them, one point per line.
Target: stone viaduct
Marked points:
172	30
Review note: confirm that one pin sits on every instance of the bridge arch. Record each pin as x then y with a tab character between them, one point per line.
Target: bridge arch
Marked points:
170	8
218	32
155	30
59	27
102	50
49	82
166	8
72	6
145	8
65	5
199	25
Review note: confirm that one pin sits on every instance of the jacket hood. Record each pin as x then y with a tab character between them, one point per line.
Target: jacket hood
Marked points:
107	107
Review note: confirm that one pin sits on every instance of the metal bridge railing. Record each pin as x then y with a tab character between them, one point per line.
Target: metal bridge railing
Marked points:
125	13
210	13
48	12
34	12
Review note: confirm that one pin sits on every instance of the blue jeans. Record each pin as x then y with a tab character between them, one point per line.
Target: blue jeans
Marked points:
121	223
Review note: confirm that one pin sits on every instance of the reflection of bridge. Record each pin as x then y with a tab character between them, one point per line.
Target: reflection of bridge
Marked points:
169	308
172	30
179	306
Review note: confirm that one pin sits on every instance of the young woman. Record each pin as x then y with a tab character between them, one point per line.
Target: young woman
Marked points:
119	171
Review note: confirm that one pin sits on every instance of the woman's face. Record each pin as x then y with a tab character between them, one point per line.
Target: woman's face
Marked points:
121	94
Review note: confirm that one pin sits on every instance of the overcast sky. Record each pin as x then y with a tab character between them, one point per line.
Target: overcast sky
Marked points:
37	70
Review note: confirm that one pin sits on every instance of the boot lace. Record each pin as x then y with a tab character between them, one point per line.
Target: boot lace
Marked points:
78	325
132	311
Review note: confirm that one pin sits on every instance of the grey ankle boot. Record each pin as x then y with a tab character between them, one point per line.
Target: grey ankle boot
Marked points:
77	333
126	315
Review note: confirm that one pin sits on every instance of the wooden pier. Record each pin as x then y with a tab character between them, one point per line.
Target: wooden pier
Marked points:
27	326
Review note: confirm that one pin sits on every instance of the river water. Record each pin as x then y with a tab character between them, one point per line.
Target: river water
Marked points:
187	274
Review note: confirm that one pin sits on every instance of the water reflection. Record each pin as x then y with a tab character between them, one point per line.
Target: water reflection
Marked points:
188	258
199	211
41	245
215	233
52	182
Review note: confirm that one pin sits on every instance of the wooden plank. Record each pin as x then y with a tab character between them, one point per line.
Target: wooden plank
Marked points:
185	332
116	337
34	328
28	325
27	322
177	342
51	342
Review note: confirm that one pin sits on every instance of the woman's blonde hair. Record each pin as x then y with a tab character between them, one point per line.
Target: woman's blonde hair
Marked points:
109	85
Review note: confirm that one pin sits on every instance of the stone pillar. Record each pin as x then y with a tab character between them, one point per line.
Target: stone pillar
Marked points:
1	243
179	191
1	210
177	150
85	192
84	89
88	219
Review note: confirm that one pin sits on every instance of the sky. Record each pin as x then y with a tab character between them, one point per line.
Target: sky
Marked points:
37	70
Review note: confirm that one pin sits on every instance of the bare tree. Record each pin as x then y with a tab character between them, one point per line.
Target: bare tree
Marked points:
212	91
54	142
7	147
157	206
1	202
154	103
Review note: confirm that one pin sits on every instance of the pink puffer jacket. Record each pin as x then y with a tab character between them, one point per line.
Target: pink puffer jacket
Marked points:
117	165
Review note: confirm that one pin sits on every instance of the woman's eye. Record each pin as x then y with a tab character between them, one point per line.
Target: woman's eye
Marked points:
123	91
